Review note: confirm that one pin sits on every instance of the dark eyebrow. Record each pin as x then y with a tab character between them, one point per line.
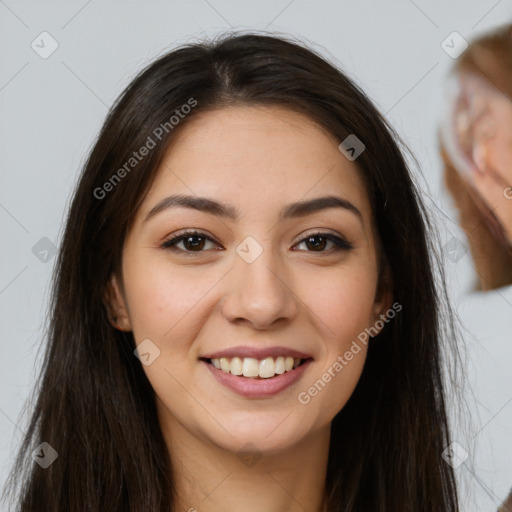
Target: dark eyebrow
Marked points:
293	210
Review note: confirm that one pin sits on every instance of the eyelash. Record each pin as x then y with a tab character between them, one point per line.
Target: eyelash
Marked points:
170	244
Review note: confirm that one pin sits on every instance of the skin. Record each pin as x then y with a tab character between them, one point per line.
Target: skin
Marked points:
484	133
317	301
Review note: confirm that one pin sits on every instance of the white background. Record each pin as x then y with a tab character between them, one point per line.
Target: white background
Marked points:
51	110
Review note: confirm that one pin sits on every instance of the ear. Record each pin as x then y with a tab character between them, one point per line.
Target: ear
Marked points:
383	297
115	303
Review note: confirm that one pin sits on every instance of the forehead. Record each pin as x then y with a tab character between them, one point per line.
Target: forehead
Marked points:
256	158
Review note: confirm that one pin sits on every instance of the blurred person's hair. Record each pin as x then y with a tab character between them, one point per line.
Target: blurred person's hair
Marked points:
489	56
506	506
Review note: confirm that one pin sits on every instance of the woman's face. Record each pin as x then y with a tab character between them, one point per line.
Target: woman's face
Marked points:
247	283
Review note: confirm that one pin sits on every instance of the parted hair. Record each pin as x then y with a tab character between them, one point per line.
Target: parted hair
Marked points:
93	403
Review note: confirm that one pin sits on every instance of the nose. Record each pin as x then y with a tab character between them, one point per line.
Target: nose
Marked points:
260	293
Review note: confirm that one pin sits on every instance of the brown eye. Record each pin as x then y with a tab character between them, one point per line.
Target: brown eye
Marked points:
317	242
193	241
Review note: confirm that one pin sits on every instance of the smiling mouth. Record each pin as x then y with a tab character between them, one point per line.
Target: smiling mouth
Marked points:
256	368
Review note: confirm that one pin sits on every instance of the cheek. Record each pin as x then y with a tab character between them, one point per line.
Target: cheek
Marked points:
499	153
162	298
343	301
344	307
167	306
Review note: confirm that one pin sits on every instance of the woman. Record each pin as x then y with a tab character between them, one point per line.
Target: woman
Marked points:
245	314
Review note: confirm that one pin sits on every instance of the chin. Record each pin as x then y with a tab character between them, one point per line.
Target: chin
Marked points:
266	432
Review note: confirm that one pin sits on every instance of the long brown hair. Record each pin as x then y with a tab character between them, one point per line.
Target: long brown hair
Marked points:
489	56
96	407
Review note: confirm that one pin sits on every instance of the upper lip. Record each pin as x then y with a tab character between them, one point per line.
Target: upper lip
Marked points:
256	353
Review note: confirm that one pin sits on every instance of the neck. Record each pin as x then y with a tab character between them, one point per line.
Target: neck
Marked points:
208	477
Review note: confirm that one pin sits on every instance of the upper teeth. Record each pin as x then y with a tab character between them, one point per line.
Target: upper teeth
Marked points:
250	367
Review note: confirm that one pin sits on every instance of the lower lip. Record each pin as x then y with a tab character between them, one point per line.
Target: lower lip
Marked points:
258	388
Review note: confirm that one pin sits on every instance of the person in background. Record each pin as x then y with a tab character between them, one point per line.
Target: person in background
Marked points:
476	149
507	505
